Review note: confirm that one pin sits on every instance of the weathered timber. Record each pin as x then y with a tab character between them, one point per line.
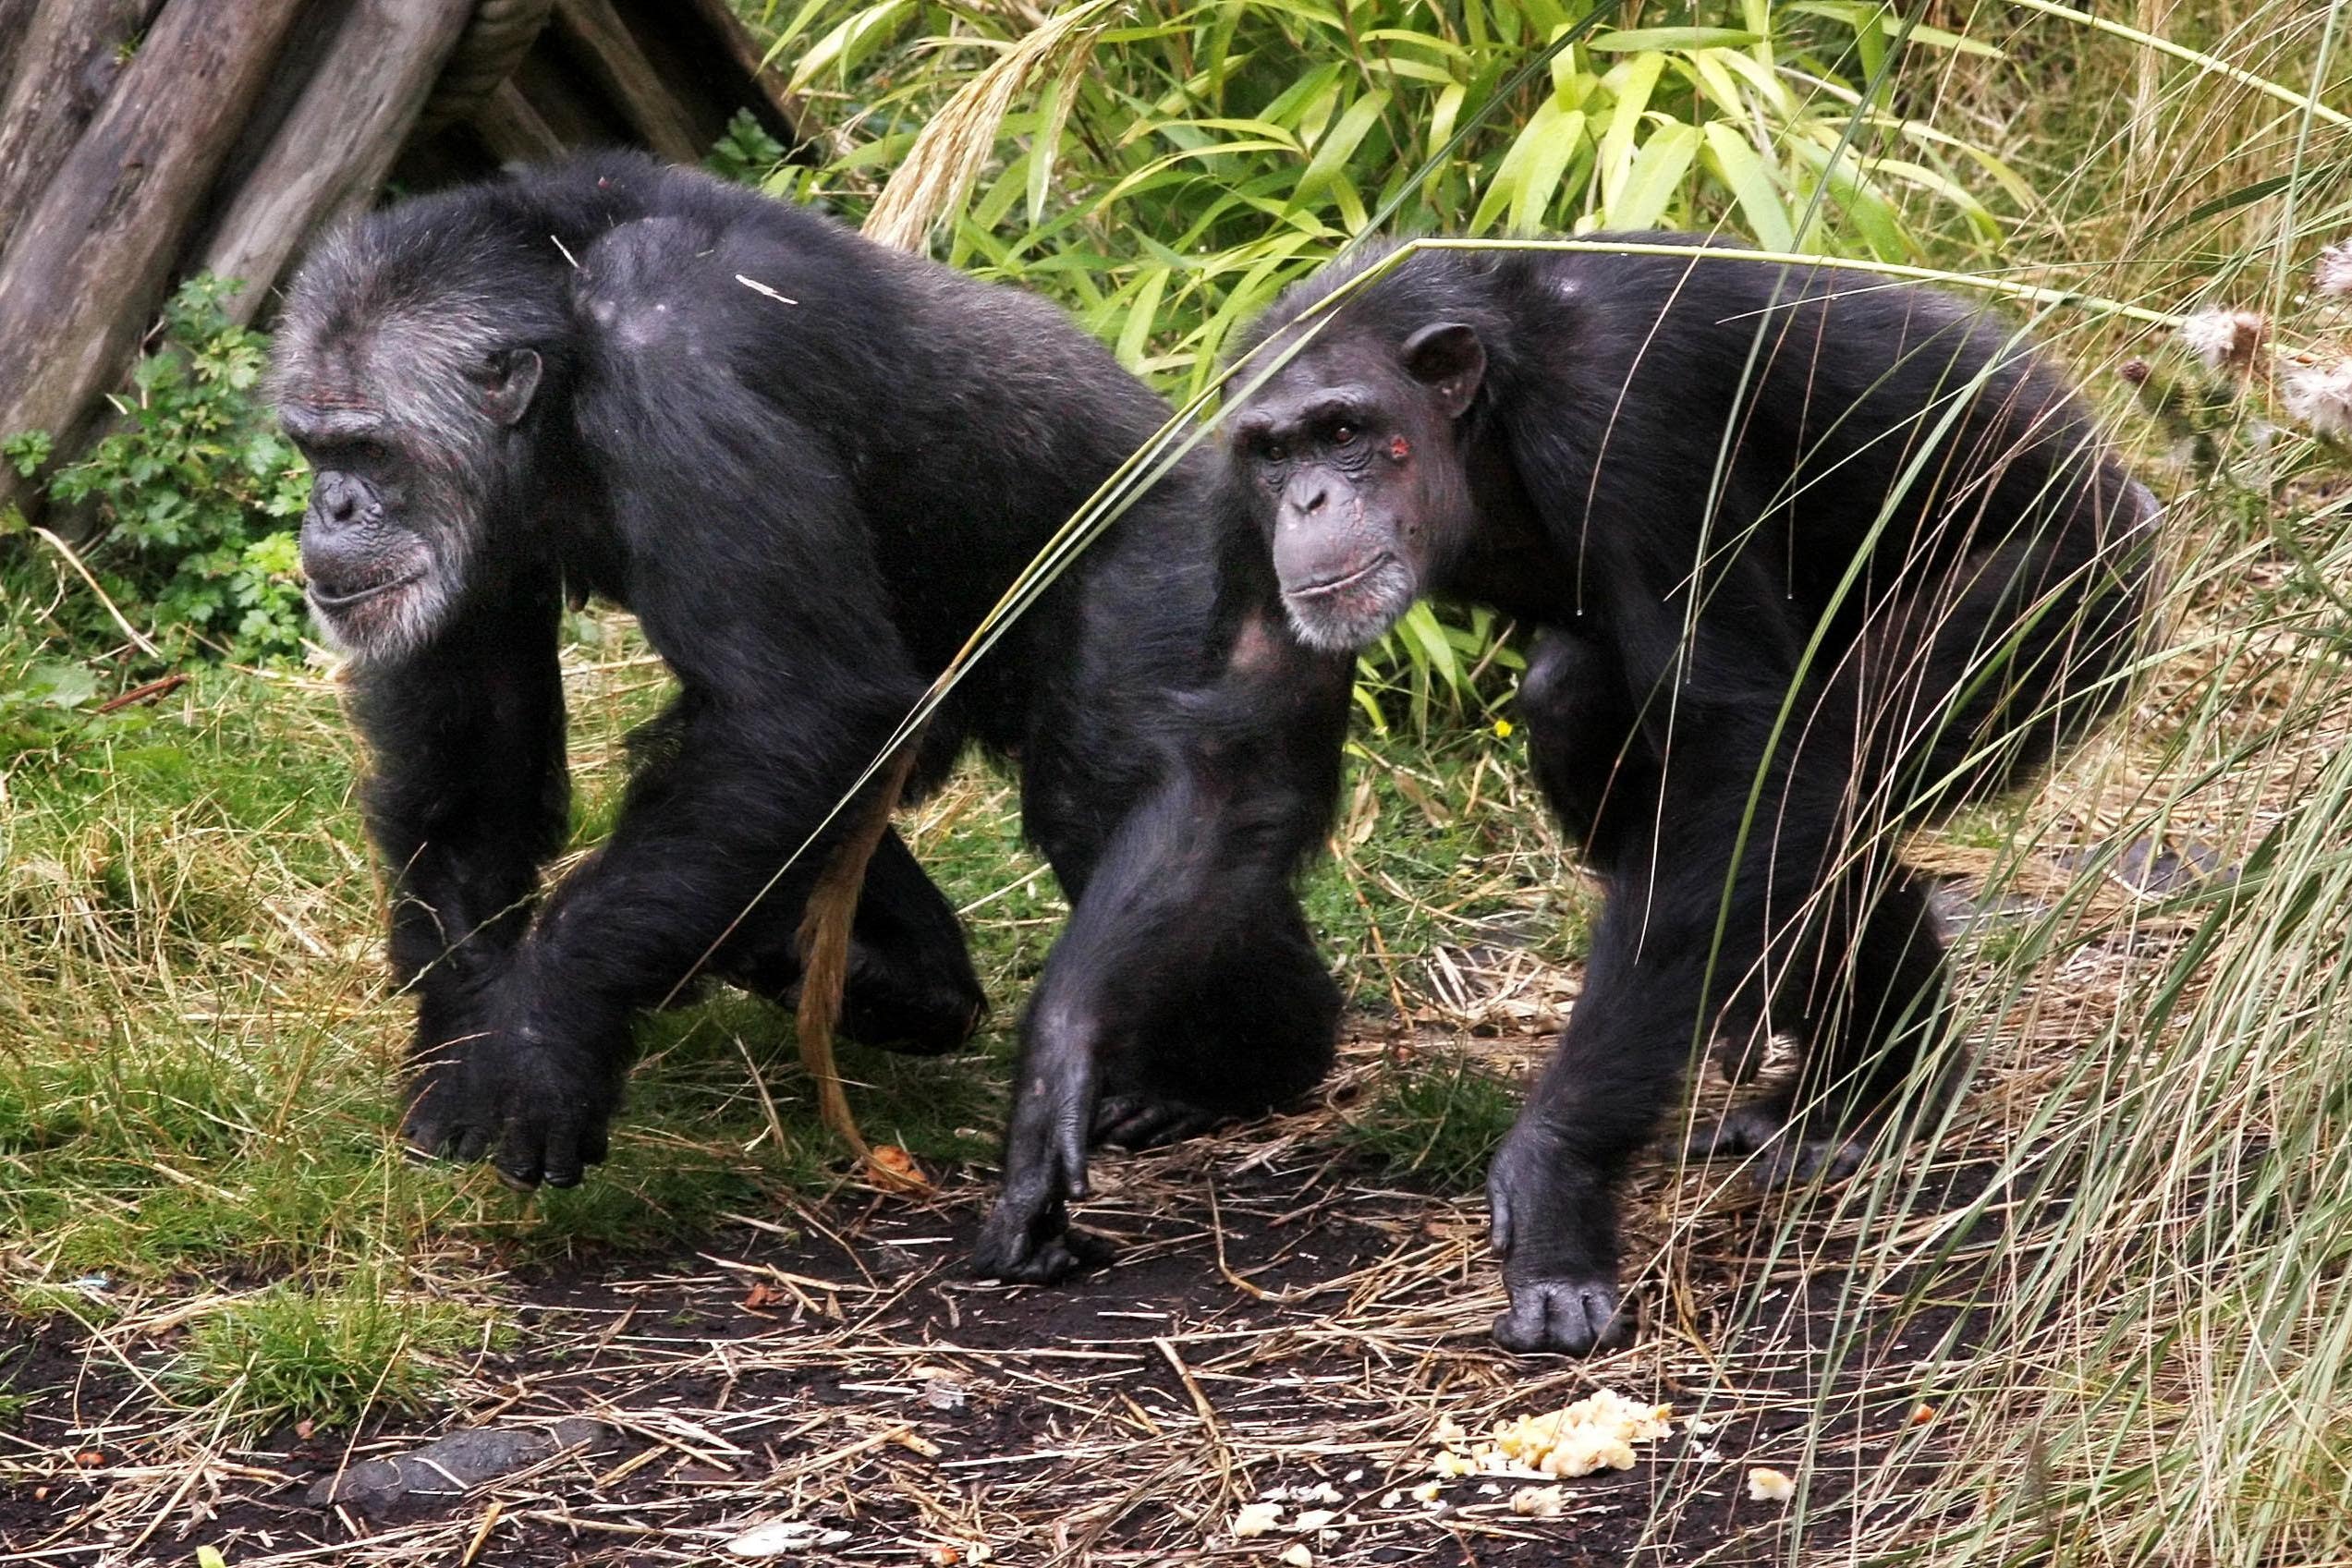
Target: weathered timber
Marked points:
93	255
331	151
52	78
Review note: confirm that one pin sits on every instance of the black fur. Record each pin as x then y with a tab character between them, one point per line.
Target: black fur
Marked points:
808	492
1812	558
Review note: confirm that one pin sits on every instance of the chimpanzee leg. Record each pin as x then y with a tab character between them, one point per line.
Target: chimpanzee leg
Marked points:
1591	763
911	985
1184	991
1186	987
1252	1031
1876	1005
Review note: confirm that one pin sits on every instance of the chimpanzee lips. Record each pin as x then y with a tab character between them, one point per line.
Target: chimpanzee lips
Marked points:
342	596
1340	583
1350	612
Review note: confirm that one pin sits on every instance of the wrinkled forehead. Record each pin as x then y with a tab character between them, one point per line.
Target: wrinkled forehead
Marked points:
351	338
1337	369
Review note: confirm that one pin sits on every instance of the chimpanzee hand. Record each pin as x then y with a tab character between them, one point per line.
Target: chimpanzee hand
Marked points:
1027	1238
541	1103
1554	1227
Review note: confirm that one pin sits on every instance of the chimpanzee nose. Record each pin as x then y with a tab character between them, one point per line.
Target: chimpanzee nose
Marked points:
1308	499
338	498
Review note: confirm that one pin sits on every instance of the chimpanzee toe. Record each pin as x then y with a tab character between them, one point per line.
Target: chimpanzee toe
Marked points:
1567	1317
1135	1121
1781	1153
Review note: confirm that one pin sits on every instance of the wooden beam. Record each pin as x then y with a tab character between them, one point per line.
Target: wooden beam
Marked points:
512	129
621	70
59	70
92	257
334	146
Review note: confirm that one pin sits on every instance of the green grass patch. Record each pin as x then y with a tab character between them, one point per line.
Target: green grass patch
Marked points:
331	1354
1435	1119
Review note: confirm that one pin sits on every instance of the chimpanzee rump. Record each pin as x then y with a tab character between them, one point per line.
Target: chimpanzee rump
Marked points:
1811	557
809	465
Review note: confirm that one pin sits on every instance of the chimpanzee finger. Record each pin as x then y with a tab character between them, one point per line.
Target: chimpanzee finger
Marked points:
1498	1223
561	1159
1070	1128
520	1162
595	1145
472	1143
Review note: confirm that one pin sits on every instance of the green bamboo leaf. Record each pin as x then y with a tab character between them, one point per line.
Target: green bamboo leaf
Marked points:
1143	315
1656	177
1630	83
1731	160
1510	174
1340	142
1540	180
1639	40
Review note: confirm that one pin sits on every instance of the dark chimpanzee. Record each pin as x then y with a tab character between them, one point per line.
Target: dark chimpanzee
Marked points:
809	465
1811	557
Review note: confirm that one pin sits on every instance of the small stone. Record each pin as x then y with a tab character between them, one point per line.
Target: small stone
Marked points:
452	1465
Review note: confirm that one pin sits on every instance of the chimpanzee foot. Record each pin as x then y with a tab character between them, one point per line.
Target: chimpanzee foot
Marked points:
1139	1121
1571	1317
1036	1249
1782	1154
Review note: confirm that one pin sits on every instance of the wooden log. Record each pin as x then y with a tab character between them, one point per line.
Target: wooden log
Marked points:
512	129
332	148
16	21
620	69
65	57
92	257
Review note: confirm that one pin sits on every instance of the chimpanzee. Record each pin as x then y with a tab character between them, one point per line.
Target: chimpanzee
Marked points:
810	465
1812	558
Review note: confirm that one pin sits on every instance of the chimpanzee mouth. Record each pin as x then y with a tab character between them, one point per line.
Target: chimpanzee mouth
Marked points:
331	600
1350	611
1339	584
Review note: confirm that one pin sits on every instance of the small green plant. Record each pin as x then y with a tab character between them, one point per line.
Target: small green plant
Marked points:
747	153
193	490
1436	1119
329	1356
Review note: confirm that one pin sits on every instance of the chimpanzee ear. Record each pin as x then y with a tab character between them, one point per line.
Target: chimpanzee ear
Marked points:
1447	359
514	377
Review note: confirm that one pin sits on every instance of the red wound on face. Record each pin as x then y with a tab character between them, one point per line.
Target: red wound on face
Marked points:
1399	449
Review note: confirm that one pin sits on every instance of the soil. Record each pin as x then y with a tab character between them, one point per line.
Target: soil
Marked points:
1278	1317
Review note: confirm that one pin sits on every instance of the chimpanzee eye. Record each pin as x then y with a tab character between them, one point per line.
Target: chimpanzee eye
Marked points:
1342	434
1275	452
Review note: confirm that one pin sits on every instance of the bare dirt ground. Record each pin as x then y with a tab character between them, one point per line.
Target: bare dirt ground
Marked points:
1280	1322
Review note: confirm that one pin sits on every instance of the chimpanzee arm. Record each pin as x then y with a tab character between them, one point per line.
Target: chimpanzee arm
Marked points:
1185	982
1707	900
467	799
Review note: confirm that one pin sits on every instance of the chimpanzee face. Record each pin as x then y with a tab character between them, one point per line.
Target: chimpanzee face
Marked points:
406	463
1352	455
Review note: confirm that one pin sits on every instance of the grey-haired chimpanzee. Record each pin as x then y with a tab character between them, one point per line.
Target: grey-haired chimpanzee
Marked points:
1811	557
809	464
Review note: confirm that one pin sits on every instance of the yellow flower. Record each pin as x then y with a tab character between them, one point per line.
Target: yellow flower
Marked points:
1501	729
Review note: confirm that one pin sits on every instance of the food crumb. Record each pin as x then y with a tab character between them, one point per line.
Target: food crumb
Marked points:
1540	1502
1299	1556
1255	1519
1769	1486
